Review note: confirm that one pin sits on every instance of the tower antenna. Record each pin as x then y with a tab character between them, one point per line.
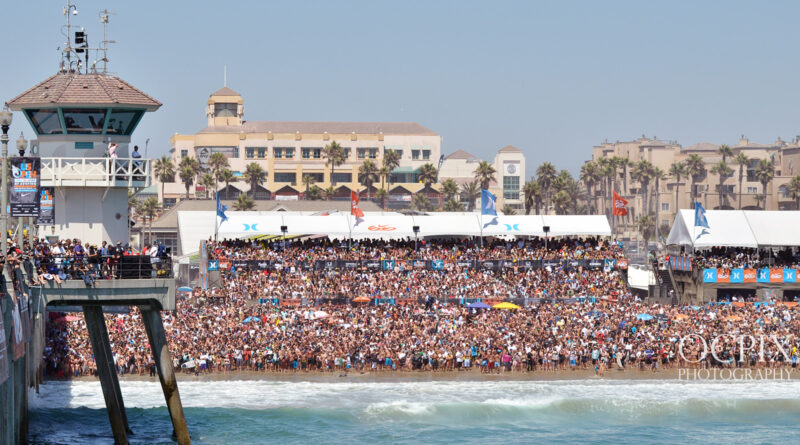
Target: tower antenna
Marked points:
104	20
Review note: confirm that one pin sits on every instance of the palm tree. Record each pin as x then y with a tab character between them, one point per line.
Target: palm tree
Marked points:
391	160
217	162
546	175
741	160
208	180
368	174
315	193
642	173
645	223
470	191
382	194
590	175
725	151
244	203
677	170
484	174
794	189
421	203
308	181
255	176
449	189
188	169
334	157
623	163
452	205
532	191
695	168
721	169
165	171
765	171
428	174
383	172
560	202
608	172
658	176
329	192
149	209
227	176
508	210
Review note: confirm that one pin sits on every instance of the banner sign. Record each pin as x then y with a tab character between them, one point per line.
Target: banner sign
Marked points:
23	197
47	207
213	265
387	264
203	265
680	263
437	264
373	265
779	275
3	354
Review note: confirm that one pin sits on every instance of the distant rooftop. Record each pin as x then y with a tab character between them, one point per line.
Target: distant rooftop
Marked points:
65	89
510	149
702	146
391	128
461	154
225	91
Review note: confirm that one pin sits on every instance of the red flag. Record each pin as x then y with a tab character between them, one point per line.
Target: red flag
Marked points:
354	210
619	205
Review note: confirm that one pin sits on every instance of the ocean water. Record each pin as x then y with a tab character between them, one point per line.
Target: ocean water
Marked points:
586	411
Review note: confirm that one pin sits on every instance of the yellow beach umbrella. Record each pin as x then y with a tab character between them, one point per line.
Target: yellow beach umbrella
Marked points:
505	305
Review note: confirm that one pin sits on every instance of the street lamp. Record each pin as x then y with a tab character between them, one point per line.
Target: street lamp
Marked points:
546	231
5	122
22	144
284	229
416	231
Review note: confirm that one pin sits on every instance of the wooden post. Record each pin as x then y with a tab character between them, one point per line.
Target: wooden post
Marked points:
98	334
169	384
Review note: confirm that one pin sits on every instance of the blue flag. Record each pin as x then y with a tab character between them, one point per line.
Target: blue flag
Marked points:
488	203
221	209
700	216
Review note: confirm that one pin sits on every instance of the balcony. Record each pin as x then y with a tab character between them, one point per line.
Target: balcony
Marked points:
95	172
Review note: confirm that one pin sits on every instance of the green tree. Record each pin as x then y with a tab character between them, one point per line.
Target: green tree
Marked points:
607	172
391	160
244	203
382	194
315	193
646	224
148	209
725	151
428	174
227	176
449	189
546	175
164	170
308	181
329	192
484	174
622	163
508	210
421	203
383	172
677	170
561	202
765	172
741	160
470	191
452	205
695	168
187	170
723	171
590	175
217	162
368	174
255	176
334	156
532	191
794	189
643	173
208	181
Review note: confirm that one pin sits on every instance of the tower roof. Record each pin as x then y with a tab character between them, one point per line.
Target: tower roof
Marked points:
225	91
64	89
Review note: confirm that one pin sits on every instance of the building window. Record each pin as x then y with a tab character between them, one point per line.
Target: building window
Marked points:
278	152
236	152
783	191
362	153
262	152
288	152
286	177
426	155
342	177
122	121
250	152
311	152
184	153
726	188
317	177
84	120
415	154
45	121
665	207
225	110
752	190
511	187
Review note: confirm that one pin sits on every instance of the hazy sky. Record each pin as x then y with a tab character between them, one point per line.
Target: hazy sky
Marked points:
552	78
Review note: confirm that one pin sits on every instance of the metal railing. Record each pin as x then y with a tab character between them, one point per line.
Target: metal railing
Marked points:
95	172
107	267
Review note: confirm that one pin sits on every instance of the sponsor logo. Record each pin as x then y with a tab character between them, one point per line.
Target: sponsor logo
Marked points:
250	227
512	227
381	228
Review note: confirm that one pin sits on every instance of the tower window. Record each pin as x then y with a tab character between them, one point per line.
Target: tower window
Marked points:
225	110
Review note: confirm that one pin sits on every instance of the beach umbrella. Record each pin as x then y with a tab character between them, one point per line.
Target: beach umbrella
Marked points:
362	300
505	305
478	305
321	314
184	289
644	317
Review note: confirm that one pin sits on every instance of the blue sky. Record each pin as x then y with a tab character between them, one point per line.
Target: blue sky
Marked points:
552	78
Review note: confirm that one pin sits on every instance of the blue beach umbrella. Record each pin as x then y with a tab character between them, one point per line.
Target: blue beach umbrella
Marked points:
478	305
644	317
184	289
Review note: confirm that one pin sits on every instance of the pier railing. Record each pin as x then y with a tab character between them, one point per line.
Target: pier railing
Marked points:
95	172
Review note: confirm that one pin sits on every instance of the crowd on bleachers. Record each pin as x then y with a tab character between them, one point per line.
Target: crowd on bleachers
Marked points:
745	258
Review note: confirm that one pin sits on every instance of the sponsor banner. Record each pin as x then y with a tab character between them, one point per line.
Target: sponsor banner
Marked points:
595	264
763	276
737	276
610	264
23	196
437	264
47	207
723	276
371	264
777	275
623	264
224	264
489	265
550	263
387	264
709	275
241	264
3	354
213	265
203	265
349	264
749	276
790	275
464	263
325	265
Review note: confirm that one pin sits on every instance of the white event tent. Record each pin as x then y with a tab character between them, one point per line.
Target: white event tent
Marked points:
737	228
194	226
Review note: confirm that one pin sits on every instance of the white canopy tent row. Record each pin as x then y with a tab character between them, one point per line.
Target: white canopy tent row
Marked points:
737	228
195	226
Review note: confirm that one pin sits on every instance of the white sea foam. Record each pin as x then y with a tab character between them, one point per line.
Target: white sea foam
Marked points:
425	398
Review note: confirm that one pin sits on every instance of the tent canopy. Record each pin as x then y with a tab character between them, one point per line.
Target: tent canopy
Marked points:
737	228
194	226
